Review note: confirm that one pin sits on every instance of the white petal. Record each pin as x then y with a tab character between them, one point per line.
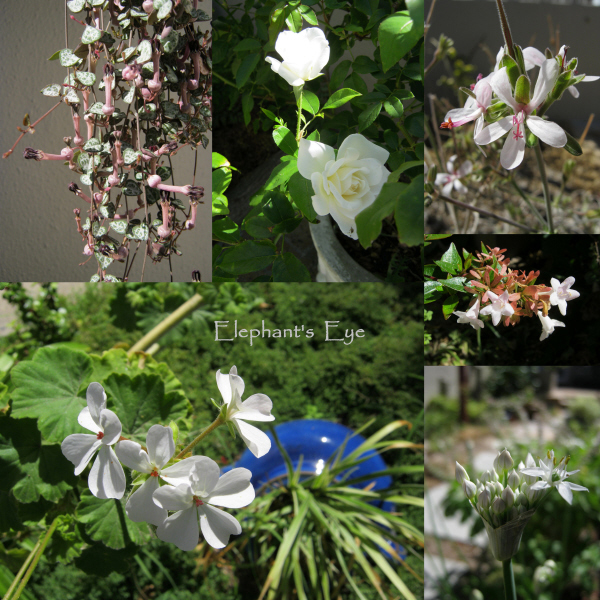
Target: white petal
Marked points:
181	529
111	426
79	449
258	442
204	476
107	479
591	78
217	526
562	306
465	169
501	85
365	148
513	152
547	131
568	282
234	489
548	74
573	91
96	400
313	157
132	456
284	71
495	317
161	446
174	498
85	420
447	189
494	131
180	472
540	485
576	488
141	508
533	471
224	386
460	188
565	491
533	57
256	408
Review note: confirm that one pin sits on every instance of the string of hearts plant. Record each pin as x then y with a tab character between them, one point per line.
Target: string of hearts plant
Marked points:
140	76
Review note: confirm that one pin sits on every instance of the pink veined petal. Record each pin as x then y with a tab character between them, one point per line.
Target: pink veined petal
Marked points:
450	163
107	478
549	72
234	489
132	456
204	476
501	85
111	426
161	446
96	400
513	151
217	526
256	408
494	131
141	507
465	169
313	157
180	472
181	529
547	131
483	91
174	498
85	420
533	57
460	116
565	491
365	148
257	441
79	449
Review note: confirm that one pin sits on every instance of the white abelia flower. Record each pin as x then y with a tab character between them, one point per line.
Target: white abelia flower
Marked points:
562	293
106	479
499	307
347	184
304	54
140	506
195	501
256	408
548	325
471	316
452	179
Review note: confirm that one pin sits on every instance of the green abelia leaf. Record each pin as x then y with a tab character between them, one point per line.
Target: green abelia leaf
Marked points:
51	90
103	261
76	6
86	78
90	35
51	388
68	59
144	51
119	226
454	283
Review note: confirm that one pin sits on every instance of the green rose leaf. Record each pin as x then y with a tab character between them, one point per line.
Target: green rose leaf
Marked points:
218	160
301	191
90	35
369	220
398	34
288	267
281	174
226	230
285	140
248	256
310	102
248	64
51	388
417	14
277	208
340	98
86	78
409	210
368	116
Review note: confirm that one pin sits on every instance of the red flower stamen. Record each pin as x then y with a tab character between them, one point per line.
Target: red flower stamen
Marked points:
100	435
447	124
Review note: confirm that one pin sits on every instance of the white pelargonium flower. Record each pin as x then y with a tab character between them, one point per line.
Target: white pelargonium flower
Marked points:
514	146
346	185
304	55
256	408
106	479
548	325
552	476
562	293
195	501
470	316
499	307
452	178
474	108
140	506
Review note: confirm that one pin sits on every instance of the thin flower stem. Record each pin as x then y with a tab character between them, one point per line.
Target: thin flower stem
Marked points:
299	114
216	423
35	560
183	311
529	203
22	570
510	591
506	30
547	198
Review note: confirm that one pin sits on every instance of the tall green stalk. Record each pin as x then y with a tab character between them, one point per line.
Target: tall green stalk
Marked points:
547	198
299	98
506	29
510	591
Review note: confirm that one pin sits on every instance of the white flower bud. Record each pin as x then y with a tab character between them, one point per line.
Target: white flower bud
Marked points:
524	488
508	496
499	488
503	461
498	505
487	476
514	480
491	488
484	499
461	474
469	488
495	475
521	500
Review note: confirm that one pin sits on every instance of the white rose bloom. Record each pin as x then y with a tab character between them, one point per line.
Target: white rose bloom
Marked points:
345	185
304	55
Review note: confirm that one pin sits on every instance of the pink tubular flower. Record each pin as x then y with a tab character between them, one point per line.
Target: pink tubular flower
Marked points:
514	147
73	187
195	193
475	108
31	153
164	230
108	108
452	178
191	222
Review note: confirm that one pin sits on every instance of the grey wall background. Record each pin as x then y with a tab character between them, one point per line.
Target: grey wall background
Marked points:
38	237
471	23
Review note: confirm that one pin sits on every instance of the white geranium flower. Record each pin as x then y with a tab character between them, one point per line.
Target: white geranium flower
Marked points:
304	55
552	476
470	316
499	307
452	179
140	506
561	293
195	501
345	185
548	325
106	479
474	108
256	408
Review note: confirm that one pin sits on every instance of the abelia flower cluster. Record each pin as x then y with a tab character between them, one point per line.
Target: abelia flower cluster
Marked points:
504	100
189	487
506	498
507	295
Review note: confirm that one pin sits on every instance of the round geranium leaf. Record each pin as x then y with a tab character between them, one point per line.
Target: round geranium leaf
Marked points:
90	35
145	52
86	78
67	58
52	90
